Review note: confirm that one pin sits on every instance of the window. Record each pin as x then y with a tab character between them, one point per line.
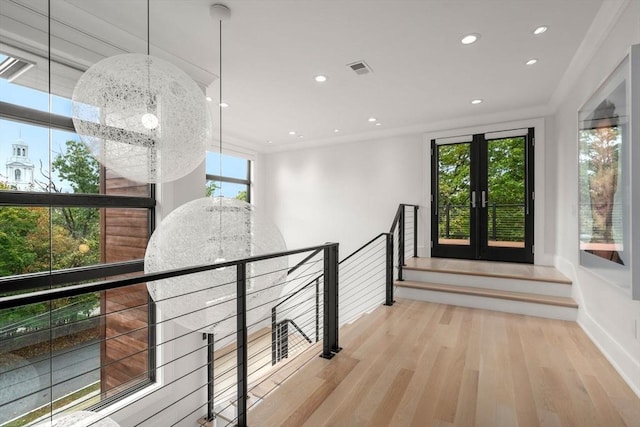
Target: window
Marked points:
65	220
228	176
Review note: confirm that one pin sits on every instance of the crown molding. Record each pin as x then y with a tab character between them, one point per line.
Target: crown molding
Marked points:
602	25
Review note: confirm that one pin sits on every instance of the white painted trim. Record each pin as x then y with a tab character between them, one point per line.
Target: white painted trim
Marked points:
454	139
418	129
616	354
514	133
600	28
620	359
540	258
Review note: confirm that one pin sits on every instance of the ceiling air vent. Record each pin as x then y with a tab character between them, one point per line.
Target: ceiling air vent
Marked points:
12	68
360	67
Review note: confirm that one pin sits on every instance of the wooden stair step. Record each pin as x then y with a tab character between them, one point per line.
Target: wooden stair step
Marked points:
504	270
491	293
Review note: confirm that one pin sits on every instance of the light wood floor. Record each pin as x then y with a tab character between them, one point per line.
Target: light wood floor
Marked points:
426	364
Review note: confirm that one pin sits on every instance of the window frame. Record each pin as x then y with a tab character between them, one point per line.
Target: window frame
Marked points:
55	278
232	180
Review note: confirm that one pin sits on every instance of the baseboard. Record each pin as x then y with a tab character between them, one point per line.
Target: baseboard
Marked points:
616	354
620	359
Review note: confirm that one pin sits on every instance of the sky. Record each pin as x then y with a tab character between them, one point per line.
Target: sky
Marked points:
39	138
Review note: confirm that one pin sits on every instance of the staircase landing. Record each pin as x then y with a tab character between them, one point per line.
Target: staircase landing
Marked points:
514	288
508	270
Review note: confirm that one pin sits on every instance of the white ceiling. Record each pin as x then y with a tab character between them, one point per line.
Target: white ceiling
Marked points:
422	73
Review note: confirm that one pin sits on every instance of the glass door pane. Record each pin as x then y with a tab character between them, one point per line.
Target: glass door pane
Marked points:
505	198
454	194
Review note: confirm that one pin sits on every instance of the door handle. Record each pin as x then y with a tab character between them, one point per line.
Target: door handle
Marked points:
473	199
484	199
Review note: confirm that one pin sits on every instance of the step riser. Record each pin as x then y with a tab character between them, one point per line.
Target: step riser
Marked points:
498	283
488	303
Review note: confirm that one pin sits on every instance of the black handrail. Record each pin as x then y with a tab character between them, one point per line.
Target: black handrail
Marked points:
74	290
305	336
361	248
399	221
396	219
304	261
330	336
320	274
393	226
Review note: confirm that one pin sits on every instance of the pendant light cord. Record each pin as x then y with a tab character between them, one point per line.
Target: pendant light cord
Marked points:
148	28
220	128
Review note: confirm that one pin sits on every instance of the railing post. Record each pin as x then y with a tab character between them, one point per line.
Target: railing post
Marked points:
283	330
389	269
447	215
494	221
274	338
210	377
415	231
401	243
330	340
317	309
241	337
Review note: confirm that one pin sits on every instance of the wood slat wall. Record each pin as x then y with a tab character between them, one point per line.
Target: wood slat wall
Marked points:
125	333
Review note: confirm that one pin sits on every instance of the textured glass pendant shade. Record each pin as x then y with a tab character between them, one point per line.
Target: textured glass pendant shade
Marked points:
142	117
205	231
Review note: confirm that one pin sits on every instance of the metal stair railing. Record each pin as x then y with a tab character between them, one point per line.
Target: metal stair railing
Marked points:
407	241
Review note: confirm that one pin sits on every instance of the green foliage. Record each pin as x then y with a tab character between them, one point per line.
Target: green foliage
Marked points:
506	182
37	239
211	188
242	195
81	171
16	227
79	168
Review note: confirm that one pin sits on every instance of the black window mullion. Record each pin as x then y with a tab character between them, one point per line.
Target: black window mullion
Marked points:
26	282
46	199
227	179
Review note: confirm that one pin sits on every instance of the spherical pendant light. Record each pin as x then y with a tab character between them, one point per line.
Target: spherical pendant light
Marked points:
142	117
205	231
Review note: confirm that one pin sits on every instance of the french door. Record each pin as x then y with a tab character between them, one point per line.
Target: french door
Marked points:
482	196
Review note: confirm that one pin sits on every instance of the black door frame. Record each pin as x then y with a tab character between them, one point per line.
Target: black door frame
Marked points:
478	248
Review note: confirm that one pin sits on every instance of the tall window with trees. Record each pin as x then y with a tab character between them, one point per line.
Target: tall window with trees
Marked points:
72	221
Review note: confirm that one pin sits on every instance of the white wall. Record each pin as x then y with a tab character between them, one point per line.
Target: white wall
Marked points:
606	312
346	194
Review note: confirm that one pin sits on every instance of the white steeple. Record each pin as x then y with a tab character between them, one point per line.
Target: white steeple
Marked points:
20	167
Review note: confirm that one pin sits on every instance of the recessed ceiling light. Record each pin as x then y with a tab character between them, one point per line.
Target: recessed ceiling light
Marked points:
208	98
372	119
321	78
269	142
541	29
531	61
300	136
476	101
336	130
378	124
292	132
224	104
470	38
